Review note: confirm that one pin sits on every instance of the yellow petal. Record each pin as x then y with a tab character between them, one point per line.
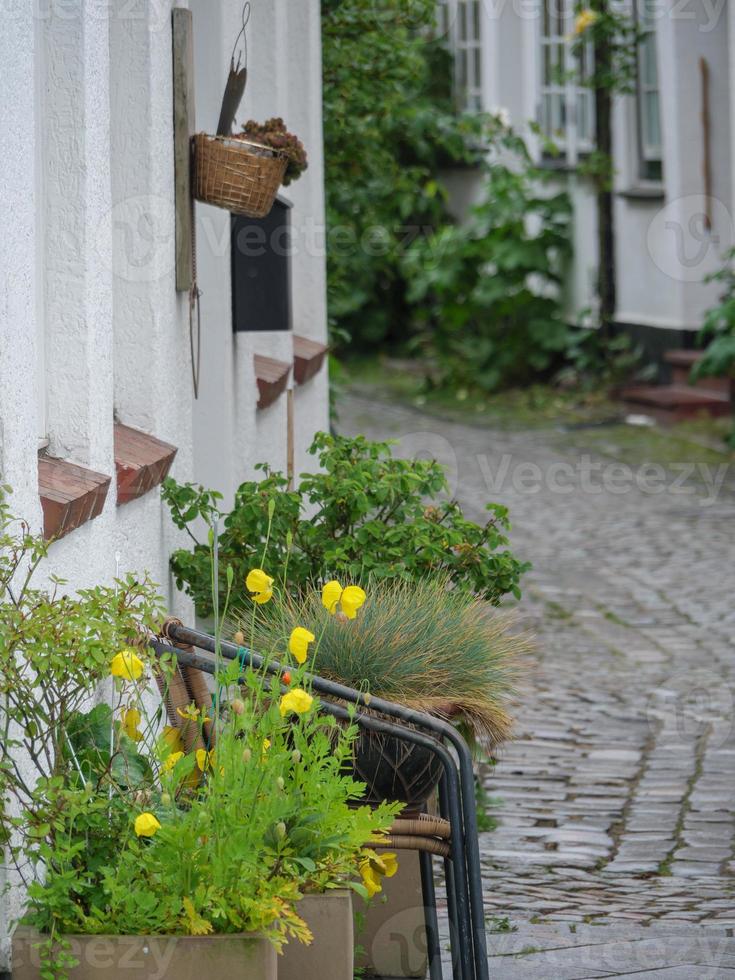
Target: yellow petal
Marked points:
262	597
171	760
127	665
204	759
131	720
258	581
146	825
296	700
370	878
389	862
331	595
352	598
171	737
298	643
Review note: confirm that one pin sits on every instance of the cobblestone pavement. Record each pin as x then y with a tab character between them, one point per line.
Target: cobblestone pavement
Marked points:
614	853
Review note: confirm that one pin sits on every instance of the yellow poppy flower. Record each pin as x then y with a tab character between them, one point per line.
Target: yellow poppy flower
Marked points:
127	665
146	825
331	594
204	759
170	761
192	713
131	720
296	700
352	598
376	867
584	19
171	737
259	585
264	748
298	643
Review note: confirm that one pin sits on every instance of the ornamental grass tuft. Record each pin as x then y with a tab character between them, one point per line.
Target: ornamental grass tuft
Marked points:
420	644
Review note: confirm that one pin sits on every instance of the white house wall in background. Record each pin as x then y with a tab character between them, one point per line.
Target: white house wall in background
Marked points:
664	248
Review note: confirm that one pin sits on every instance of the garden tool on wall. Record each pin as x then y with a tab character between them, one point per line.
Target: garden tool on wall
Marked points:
236	79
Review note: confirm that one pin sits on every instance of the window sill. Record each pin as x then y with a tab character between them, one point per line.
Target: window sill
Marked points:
308	357
272	378
142	462
70	495
643	192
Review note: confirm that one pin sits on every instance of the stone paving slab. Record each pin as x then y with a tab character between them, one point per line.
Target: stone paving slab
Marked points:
616	800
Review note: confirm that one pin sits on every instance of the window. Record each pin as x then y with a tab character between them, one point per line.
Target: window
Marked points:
458	23
648	113
566	109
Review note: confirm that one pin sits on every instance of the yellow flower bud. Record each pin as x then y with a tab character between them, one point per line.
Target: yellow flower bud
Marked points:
296	756
280	782
280	830
238	706
246	756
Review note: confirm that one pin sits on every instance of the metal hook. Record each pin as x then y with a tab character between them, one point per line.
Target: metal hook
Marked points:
242	33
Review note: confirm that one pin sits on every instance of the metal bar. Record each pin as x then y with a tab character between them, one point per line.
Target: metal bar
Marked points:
428	891
436	726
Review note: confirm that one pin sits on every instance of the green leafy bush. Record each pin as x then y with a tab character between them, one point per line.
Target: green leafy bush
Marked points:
487	293
364	515
117	825
718	331
389	127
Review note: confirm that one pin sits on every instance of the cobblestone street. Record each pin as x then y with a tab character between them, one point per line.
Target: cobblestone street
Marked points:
614	850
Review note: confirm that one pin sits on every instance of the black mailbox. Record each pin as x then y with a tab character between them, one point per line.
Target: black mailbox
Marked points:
261	270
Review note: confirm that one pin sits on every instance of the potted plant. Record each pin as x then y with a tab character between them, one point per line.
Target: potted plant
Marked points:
133	850
423	644
273	134
242	172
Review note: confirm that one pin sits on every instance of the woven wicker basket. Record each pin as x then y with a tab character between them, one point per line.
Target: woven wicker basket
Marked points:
235	174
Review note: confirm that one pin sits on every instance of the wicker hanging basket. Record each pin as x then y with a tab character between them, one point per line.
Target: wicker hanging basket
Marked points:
237	175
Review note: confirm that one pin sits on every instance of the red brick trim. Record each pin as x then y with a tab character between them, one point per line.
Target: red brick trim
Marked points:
142	462
308	357
70	495
272	378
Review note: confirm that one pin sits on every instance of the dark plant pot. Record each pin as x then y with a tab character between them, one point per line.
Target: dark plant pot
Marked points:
395	770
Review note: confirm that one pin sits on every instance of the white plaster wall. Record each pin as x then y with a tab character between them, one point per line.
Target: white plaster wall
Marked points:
87	264
284	79
662	257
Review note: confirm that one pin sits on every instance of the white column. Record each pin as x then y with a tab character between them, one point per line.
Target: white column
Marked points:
78	240
19	392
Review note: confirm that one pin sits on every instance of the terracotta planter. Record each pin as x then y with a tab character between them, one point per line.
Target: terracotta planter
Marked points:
331	955
237	957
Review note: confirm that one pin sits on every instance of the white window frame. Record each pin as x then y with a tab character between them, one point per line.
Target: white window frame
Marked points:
459	23
650	153
556	24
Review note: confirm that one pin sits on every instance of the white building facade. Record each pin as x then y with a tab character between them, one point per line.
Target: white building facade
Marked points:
673	145
95	358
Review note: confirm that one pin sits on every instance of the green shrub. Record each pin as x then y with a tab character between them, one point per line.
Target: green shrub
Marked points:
487	293
364	515
718	331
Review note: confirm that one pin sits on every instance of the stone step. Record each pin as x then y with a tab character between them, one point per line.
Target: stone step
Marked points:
681	363
670	403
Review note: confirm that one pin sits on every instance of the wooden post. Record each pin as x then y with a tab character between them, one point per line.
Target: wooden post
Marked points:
289	436
605	218
184	123
706	158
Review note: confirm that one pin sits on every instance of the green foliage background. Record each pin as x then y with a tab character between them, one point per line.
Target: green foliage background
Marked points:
474	298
